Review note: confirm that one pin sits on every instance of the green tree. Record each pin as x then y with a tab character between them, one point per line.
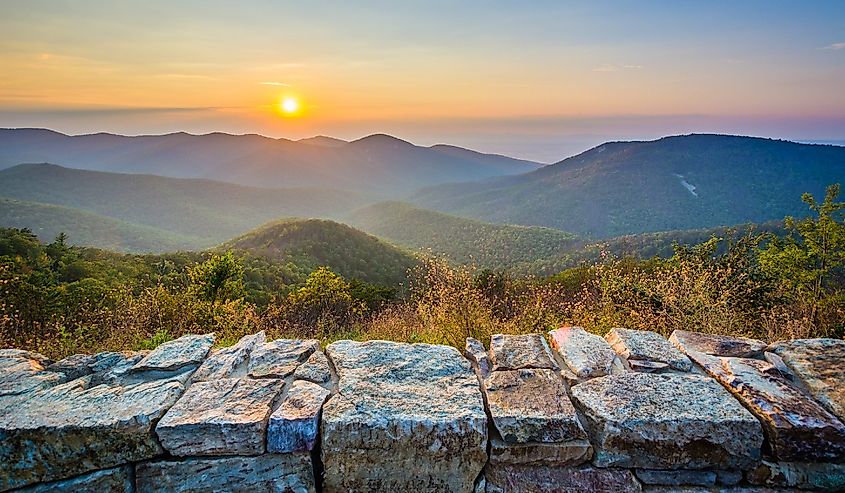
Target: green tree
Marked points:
220	278
812	256
325	304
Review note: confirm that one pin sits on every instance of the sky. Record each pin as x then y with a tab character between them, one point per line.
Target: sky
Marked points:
540	80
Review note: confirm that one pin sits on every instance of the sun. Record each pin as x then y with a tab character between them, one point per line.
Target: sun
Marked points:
289	106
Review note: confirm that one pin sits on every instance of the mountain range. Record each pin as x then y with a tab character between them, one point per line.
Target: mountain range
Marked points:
681	182
202	213
378	163
622	192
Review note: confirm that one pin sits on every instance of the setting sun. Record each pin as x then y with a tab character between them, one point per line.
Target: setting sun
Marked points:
289	106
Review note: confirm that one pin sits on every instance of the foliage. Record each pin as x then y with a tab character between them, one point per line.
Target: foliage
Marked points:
311	243
324	305
460	240
218	278
810	261
61	299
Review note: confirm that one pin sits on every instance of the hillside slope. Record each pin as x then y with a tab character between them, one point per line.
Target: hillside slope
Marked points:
89	229
314	242
378	163
683	182
210	211
460	240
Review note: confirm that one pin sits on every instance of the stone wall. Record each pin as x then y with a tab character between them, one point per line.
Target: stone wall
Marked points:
630	412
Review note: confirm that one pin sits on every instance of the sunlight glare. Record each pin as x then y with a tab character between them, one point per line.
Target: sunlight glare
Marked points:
289	106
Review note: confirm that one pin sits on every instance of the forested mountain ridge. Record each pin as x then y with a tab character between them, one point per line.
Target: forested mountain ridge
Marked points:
681	182
208	211
314	243
377	163
460	240
89	229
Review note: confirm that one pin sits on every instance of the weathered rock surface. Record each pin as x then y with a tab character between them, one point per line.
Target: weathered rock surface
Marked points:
406	418
676	477
280	358
570	453
718	345
820	365
23	354
531	405
643	366
117	480
293	426
516	352
282	473
647	346
228	362
728	477
797	427
23	371
474	351
73	367
73	428
704	489
115	369
186	351
220	417
316	369
667	421
586	354
819	476
543	479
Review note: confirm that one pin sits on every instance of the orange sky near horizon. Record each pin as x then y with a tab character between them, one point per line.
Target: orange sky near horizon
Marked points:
422	68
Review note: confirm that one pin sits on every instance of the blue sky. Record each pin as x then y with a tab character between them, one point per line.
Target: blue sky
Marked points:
536	79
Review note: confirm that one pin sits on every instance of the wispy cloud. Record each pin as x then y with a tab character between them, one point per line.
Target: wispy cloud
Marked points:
280	84
834	46
609	67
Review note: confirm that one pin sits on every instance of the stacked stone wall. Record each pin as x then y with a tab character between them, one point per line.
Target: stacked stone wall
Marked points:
567	411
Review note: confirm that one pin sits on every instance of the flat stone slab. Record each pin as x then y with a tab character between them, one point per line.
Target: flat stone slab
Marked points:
677	477
531	405
717	345
646	345
23	371
117	480
280	358
644	366
517	352
586	354
281	473
667	421
475	352
406	418
797	427
293	426
717	489
228	362
571	453
316	369
220	417
545	479
186	351
803	475
73	428
819	364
